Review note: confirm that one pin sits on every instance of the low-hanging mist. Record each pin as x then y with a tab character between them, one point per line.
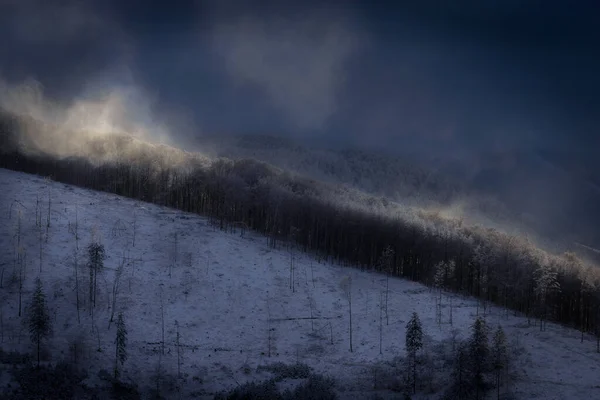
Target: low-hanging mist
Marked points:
112	123
115	128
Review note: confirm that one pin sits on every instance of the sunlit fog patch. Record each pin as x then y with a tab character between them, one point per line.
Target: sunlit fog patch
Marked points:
103	126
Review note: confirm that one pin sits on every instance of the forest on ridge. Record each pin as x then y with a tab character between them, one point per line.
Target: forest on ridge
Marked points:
335	223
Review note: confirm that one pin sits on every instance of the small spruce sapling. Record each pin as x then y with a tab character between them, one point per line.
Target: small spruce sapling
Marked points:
120	344
38	321
414	343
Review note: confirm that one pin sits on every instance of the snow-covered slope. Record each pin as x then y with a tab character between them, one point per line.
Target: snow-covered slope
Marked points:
226	292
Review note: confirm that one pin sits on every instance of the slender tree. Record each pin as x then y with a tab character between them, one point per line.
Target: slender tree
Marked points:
499	356
162	321
386	264
174	252
460	388
134	228
479	354
414	343
120	344
96	258
115	289
48	216
178	344
444	273
38	321
347	288
381	323
76	268
269	330
546	283
22	261
76	263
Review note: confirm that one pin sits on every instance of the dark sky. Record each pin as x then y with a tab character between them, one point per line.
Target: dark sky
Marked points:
485	74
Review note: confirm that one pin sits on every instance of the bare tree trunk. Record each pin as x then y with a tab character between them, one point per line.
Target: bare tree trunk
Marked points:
38	217
95	285
178	351
380	324
116	360
40	240
76	266
269	329
498	384
21	262
115	289
387	290
76	228
91	295
292	285
173	255
17	258
134	227
159	375
312	323
38	340
450	300
414	359
48	216
331	332
207	263
350	310
162	321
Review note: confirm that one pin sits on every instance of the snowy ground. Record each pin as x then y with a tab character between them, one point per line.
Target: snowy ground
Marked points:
226	292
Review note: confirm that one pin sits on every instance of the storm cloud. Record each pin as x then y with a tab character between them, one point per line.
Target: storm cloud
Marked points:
433	76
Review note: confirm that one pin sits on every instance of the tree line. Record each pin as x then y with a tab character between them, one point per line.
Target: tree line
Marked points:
343	226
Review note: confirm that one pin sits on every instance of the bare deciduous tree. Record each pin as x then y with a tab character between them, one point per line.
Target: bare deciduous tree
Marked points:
346	285
386	264
546	284
115	288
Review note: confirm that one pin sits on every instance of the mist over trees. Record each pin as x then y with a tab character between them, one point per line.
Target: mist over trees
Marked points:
487	187
341	226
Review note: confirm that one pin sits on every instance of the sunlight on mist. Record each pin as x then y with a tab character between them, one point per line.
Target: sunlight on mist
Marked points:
109	125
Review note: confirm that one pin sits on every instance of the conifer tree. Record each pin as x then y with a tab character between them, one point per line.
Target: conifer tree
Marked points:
414	342
499	355
479	353
460	388
38	320
120	344
95	263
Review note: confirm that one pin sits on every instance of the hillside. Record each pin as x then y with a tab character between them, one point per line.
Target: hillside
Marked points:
549	195
227	292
